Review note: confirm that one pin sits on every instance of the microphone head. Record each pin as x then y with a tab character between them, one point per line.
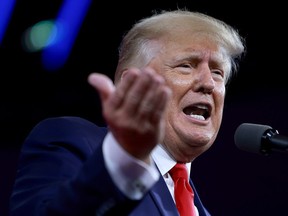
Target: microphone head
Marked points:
248	136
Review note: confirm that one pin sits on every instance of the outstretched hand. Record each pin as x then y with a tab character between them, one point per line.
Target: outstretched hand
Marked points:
134	109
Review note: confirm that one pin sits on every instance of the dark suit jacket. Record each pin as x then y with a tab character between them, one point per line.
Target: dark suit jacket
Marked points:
61	172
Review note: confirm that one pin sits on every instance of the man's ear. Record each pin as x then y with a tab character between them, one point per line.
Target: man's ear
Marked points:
118	78
123	74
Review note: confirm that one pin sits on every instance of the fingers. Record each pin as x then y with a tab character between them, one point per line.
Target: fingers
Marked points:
154	102
102	84
140	96
162	96
134	108
123	88
140	93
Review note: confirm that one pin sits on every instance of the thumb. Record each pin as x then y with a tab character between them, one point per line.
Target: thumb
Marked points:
102	83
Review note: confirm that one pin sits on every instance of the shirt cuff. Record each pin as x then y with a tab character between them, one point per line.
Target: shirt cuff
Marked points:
132	176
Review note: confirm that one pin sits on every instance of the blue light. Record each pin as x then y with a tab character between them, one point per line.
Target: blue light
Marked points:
67	25
6	8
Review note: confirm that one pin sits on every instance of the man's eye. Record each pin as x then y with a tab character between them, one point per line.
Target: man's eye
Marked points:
218	73
185	65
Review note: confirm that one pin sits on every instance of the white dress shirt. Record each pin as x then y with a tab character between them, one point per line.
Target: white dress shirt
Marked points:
136	183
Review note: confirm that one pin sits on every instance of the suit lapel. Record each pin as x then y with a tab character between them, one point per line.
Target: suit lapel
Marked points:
166	205
162	198
201	209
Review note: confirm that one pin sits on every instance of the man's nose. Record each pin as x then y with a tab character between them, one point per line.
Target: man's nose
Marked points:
203	80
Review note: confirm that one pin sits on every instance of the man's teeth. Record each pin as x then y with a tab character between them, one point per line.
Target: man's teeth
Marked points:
202	107
199	117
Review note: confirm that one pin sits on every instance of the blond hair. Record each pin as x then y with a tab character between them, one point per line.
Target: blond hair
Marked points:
138	45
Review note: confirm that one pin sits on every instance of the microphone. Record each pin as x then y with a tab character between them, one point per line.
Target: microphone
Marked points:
261	139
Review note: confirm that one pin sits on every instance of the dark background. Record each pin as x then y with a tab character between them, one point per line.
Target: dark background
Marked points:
230	182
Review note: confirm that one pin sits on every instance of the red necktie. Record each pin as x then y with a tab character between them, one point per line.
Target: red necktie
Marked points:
184	195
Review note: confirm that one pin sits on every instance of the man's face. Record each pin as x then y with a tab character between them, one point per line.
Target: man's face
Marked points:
194	69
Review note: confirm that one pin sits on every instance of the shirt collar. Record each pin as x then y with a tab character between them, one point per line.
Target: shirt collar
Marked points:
164	161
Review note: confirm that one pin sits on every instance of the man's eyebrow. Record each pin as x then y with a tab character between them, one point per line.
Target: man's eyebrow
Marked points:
216	57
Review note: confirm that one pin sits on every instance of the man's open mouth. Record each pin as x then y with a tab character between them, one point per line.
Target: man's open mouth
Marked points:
198	111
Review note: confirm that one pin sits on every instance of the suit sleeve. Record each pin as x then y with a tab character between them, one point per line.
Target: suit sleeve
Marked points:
62	172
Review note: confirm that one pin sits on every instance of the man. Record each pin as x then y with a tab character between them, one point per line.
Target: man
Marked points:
165	108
